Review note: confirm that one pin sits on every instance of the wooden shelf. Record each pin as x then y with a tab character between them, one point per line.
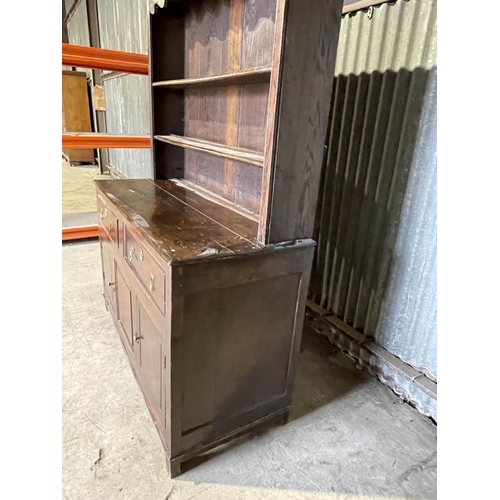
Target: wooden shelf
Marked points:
233	153
95	58
256	75
77	140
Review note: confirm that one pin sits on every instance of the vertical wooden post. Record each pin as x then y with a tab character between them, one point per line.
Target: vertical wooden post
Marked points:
295	142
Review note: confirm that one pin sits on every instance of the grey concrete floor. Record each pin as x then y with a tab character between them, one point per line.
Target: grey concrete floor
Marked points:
348	437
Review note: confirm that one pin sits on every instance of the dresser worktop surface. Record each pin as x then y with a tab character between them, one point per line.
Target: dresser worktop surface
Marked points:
181	224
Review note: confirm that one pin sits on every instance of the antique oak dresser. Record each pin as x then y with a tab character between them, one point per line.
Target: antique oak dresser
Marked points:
206	265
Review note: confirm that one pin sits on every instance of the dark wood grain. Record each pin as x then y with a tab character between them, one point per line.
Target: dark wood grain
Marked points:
272	119
233	94
258	33
205	114
243	77
219	200
167	105
174	230
239	224
206	38
252	117
146	267
247	186
238	343
305	86
150	355
124	307
219	360
205	170
215	89
230	152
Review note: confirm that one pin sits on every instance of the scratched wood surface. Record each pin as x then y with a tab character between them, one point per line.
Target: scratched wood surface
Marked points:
174	225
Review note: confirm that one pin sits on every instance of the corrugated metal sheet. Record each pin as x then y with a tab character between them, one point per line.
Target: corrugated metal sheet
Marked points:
78	30
127	112
124	25
408	318
68	4
375	226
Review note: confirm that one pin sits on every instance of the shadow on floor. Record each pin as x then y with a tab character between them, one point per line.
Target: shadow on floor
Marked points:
347	434
319	364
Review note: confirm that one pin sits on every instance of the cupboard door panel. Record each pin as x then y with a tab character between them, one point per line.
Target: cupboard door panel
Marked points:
152	363
124	309
108	275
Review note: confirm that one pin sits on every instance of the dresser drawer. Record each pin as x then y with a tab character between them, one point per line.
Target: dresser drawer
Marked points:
147	269
108	220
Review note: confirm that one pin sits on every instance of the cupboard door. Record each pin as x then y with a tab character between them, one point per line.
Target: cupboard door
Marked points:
108	275
151	360
124	309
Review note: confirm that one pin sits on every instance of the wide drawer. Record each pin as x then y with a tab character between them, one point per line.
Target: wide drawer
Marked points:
147	269
108	220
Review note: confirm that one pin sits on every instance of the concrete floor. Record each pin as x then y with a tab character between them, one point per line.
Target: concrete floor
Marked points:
349	436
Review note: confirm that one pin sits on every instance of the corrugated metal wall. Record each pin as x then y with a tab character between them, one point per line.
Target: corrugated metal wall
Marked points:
123	25
78	29
68	4
376	221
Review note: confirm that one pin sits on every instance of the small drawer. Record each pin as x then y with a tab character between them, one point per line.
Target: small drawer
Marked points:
145	267
108	220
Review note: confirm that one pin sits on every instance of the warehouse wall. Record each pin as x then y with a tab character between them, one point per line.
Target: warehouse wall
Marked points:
123	25
375	267
78	28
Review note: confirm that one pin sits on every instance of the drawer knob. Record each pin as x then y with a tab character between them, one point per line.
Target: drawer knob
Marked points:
111	284
131	254
141	255
137	338
152	282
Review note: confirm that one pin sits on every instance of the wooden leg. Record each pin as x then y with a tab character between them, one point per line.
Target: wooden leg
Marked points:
175	467
284	418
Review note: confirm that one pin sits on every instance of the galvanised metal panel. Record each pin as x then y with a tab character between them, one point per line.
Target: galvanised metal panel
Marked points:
127	112
78	30
375	226
68	4
124	25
